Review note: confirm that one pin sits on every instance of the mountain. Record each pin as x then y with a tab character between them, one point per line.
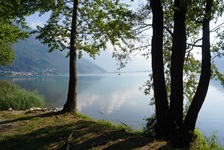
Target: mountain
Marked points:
33	57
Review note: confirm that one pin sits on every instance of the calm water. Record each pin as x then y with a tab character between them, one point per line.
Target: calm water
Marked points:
117	98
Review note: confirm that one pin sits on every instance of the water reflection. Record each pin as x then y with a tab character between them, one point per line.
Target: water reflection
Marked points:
109	96
118	99
211	116
115	98
52	88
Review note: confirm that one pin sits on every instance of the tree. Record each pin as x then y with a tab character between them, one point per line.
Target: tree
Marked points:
202	89
181	128
9	34
176	27
90	26
160	93
177	64
71	103
13	25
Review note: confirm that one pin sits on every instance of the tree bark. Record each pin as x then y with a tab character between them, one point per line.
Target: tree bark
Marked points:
177	63
71	103
160	93
202	89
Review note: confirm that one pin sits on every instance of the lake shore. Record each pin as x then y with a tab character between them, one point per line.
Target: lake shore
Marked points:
50	130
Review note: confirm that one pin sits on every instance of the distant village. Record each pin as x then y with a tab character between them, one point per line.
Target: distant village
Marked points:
33	73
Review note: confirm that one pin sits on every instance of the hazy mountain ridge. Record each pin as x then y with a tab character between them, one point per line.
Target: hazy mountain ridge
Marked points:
32	56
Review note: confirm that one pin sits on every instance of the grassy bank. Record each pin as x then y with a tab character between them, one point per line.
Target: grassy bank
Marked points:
12	96
21	131
50	131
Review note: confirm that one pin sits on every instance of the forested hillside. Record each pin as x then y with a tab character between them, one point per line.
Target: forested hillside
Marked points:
32	56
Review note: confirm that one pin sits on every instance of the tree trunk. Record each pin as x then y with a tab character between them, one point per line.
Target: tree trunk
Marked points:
202	89
177	62
71	103
160	93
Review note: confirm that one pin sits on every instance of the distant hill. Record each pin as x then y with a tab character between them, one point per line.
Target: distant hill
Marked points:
32	56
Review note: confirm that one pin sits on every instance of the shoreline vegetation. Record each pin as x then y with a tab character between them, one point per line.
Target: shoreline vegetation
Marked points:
41	128
15	98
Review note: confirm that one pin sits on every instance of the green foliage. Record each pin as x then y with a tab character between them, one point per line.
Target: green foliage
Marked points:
192	66
11	96
9	33
6	54
200	142
99	22
206	143
149	128
32	56
12	21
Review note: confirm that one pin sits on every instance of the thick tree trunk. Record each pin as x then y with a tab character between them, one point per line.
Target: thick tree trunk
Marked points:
202	89
177	62
71	103
160	93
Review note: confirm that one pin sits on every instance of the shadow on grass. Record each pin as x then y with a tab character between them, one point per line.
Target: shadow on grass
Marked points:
99	137
23	118
81	134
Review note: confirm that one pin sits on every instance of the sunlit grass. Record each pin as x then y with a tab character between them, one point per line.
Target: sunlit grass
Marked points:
206	143
104	123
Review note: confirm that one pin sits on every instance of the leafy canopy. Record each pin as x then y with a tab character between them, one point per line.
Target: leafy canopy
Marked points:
192	66
99	22
12	20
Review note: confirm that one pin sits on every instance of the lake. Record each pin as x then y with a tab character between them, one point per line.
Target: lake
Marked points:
118	98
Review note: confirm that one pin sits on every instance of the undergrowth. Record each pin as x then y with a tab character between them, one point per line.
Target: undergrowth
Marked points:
201	142
206	143
12	96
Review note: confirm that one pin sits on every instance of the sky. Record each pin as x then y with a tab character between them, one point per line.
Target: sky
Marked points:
105	60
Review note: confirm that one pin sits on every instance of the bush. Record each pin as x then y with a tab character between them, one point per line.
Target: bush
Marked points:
200	142
206	143
149	128
12	96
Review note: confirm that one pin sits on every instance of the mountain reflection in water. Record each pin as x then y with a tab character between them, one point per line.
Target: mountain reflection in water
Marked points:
117	98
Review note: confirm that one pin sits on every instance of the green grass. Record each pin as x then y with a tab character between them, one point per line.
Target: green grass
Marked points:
57	131
107	124
206	143
12	96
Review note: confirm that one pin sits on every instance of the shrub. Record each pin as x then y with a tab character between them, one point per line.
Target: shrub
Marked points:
12	96
206	143
201	142
149	128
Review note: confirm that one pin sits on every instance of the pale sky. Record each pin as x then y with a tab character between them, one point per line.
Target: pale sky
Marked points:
138	62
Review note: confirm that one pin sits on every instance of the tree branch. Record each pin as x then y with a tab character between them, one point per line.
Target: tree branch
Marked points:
217	27
168	30
194	44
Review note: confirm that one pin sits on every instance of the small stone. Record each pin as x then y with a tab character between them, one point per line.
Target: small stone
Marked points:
55	109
